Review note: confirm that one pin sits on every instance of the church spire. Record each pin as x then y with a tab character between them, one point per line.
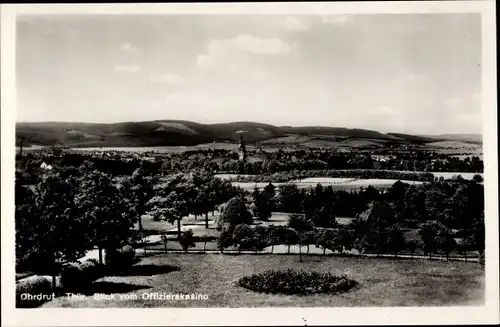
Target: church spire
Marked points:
242	150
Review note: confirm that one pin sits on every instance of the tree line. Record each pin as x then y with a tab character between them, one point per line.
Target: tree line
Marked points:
454	203
70	210
266	163
376	230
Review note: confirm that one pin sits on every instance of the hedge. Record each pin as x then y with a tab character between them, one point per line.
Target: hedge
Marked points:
296	282
35	286
78	275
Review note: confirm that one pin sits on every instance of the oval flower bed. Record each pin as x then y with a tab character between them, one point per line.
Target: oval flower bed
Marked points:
296	282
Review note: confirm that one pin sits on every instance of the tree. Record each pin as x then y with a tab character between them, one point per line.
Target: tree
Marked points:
242	236
371	227
164	239
395	240
429	234
292	238
325	239
346	238
412	246
478	178
49	228
210	192
110	217
414	207
447	244
235	213
139	189
262	207
187	240
225	239
396	195
300	223
270	192
307	238
173	200
319	206
479	235
289	198
276	235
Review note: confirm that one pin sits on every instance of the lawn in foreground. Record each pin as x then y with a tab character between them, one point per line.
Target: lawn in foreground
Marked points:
383	282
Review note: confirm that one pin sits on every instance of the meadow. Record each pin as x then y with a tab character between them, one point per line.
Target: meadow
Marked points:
382	282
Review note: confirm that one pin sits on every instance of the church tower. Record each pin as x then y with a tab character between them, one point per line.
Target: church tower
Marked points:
242	150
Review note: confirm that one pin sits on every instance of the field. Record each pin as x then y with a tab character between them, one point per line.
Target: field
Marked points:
383	282
336	183
335	180
447	175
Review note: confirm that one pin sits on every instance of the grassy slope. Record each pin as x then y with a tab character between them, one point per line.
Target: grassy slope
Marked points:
383	282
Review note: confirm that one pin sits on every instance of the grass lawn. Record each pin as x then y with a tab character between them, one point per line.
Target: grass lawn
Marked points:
383	282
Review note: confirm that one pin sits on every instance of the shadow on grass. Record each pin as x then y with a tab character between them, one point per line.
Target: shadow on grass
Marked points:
146	270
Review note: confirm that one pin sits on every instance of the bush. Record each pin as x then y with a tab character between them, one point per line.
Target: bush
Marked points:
225	240
78	275
300	223
235	213
35	286
118	260
478	178
296	282
187	240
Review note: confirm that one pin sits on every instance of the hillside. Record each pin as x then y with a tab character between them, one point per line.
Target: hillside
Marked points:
467	138
179	132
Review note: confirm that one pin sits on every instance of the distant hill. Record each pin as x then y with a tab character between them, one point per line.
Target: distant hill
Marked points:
186	133
415	138
467	138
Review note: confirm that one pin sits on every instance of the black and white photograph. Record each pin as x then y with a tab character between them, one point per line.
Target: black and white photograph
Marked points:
250	159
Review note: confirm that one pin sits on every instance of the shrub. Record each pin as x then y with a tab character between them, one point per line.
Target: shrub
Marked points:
300	223
235	213
248	238
296	282
478	178
187	240
225	240
78	275
117	260
35	286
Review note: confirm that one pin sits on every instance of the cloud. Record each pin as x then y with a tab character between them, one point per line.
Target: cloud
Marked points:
336	20
127	47
220	50
454	102
293	24
127	69
168	78
252	44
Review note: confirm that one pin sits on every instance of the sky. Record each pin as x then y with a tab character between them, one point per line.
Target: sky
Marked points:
407	73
